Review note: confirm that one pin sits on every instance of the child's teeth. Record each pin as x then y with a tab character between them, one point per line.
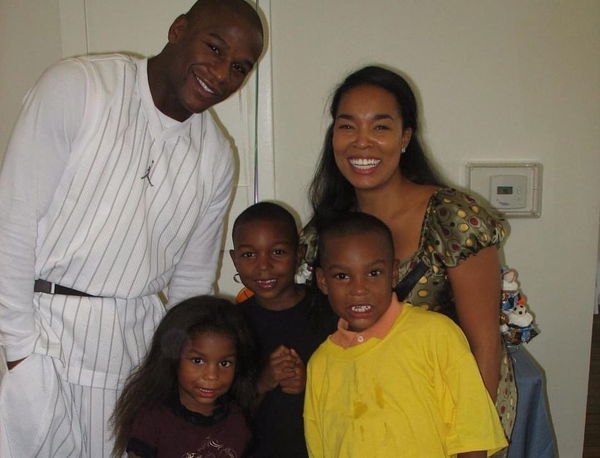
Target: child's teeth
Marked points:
361	308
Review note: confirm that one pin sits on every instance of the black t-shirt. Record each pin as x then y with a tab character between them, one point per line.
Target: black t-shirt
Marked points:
279	429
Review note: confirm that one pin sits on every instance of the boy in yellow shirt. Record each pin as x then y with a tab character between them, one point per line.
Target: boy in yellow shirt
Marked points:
393	380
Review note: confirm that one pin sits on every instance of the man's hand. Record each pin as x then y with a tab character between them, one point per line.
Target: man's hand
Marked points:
13	364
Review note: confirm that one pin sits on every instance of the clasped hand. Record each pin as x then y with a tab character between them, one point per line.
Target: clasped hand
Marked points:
285	369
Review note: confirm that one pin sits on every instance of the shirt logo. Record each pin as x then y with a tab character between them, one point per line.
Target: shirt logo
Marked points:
147	174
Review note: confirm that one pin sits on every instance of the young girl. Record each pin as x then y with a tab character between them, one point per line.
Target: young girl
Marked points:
289	325
193	391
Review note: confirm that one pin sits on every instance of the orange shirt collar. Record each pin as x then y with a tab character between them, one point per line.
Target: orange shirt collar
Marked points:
346	338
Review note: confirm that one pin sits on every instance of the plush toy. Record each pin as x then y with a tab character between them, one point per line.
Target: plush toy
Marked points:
519	316
510	288
504	323
516	322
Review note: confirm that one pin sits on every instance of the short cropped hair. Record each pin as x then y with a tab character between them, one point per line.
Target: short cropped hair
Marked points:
240	7
353	223
267	211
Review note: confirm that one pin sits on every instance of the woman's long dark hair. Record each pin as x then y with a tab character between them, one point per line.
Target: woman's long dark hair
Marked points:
155	383
330	193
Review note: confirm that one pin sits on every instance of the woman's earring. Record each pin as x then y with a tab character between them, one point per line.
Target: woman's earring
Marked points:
236	277
404	149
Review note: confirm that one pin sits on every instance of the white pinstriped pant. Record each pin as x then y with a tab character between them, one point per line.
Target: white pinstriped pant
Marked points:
42	415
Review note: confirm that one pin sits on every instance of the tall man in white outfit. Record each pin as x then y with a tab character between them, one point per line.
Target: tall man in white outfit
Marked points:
114	186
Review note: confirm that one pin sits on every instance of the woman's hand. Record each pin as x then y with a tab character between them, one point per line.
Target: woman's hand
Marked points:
476	287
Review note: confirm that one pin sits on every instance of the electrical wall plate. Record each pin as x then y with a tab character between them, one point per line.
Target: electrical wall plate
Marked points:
512	188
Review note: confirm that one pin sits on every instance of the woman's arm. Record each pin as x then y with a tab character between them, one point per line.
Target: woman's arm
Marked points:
476	287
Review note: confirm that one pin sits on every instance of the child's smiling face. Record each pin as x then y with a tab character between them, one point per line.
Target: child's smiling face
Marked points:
357	273
266	255
206	371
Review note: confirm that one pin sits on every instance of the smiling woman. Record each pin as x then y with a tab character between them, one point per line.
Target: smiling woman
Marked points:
369	137
446	241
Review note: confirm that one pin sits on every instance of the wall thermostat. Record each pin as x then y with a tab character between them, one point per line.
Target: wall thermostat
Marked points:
513	188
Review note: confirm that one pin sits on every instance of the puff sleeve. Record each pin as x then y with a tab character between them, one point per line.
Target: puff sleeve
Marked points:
458	227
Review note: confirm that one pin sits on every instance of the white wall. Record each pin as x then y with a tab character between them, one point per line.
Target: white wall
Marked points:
29	42
509	80
497	80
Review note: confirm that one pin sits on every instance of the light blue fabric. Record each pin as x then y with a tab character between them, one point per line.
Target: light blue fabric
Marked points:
532	436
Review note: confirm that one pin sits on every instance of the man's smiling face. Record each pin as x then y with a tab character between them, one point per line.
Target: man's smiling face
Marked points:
211	56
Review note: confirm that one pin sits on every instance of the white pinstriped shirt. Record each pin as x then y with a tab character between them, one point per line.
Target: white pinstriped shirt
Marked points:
103	193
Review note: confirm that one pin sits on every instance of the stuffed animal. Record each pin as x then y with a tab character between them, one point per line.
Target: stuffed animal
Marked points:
519	316
510	288
504	323
516	322
509	280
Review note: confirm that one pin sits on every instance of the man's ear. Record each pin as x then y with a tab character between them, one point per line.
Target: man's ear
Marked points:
321	282
177	28
232	255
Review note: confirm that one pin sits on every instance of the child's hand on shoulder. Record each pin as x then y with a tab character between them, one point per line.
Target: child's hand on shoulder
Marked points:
282	365
296	383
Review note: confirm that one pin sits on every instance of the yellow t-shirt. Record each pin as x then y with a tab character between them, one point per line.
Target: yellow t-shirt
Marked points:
415	393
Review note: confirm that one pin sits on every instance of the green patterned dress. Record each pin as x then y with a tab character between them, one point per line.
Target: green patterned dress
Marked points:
455	227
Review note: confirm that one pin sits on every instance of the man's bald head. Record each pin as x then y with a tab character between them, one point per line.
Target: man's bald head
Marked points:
239	7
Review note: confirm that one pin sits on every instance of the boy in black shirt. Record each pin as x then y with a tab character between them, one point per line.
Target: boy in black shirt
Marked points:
288	323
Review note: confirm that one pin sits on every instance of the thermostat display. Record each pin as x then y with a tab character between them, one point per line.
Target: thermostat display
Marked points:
508	191
504	190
